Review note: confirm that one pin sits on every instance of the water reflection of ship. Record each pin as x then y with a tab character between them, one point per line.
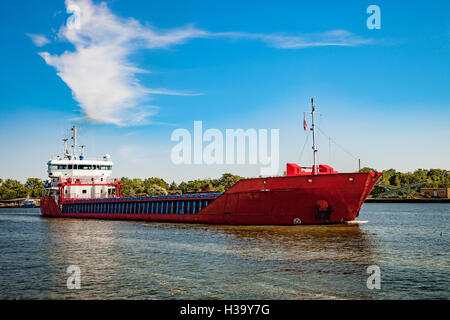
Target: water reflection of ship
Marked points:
311	262
295	259
350	243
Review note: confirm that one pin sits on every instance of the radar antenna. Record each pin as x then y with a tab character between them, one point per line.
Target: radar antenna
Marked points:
66	150
82	152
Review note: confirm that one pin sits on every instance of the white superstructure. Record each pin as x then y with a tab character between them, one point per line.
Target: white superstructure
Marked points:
82	177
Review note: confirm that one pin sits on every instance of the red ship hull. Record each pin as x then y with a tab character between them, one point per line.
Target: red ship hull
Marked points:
302	199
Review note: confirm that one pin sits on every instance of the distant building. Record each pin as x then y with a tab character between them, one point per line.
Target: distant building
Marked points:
436	192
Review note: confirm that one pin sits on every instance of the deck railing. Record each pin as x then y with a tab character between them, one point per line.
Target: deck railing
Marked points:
190	196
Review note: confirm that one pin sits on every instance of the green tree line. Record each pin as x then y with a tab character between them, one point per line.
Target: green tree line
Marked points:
12	189
157	186
435	178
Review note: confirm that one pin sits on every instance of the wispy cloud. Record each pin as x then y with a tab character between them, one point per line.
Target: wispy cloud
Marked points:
38	39
320	39
104	81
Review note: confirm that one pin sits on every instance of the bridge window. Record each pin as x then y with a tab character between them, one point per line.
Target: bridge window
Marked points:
57	167
88	167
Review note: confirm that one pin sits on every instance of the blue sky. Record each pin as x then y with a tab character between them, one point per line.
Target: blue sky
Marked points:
149	67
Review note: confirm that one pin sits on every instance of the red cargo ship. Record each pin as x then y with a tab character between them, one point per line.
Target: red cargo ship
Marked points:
81	188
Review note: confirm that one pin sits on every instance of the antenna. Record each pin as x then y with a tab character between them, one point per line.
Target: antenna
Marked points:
74	140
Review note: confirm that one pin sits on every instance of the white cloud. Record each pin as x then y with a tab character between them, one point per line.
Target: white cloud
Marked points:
98	71
104	81
38	39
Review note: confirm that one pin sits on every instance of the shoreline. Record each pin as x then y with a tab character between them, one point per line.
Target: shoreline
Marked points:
400	200
18	207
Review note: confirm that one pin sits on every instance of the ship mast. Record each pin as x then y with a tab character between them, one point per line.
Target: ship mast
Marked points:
74	140
314	169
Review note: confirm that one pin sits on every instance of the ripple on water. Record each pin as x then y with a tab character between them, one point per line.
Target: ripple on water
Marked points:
140	260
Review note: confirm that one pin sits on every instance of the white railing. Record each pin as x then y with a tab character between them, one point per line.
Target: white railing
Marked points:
95	195
96	180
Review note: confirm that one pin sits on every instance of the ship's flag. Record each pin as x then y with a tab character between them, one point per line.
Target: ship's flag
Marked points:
304	123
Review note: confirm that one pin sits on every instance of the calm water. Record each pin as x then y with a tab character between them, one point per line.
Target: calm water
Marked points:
142	260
